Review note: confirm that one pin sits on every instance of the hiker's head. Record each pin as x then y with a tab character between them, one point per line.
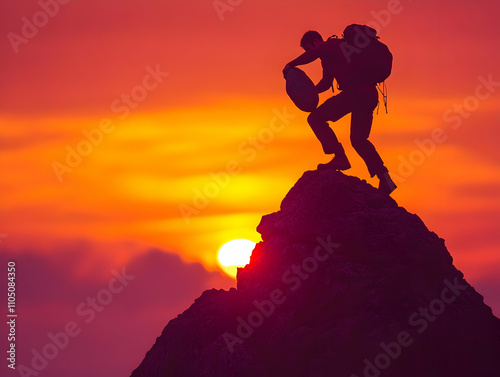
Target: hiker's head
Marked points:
310	40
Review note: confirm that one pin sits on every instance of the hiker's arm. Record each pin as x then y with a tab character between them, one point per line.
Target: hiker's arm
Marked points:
326	81
306	58
324	85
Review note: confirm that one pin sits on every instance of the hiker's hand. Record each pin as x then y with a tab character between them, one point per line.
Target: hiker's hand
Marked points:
287	67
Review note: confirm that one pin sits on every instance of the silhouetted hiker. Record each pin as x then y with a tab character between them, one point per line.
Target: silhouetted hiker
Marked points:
358	96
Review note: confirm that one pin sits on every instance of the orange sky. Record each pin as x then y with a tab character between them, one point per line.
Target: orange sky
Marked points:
187	100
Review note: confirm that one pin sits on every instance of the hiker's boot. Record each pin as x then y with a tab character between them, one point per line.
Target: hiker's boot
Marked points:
386	184
339	162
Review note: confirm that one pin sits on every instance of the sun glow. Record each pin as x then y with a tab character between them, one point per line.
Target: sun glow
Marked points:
235	253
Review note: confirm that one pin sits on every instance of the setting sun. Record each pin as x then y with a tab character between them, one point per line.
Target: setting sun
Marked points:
235	253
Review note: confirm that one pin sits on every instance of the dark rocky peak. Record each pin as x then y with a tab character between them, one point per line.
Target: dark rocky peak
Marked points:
345	283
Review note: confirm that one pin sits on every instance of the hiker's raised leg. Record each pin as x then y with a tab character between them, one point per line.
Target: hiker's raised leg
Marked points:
331	110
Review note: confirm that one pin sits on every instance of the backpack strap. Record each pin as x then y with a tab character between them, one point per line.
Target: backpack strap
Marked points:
382	88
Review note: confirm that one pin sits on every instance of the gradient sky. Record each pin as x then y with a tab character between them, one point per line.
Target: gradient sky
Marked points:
192	101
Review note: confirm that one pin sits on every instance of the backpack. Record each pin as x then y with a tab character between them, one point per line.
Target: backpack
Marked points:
369	58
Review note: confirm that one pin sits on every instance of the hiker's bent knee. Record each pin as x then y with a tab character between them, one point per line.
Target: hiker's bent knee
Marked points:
315	119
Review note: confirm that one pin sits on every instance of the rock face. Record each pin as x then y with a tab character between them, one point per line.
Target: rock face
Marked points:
345	283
